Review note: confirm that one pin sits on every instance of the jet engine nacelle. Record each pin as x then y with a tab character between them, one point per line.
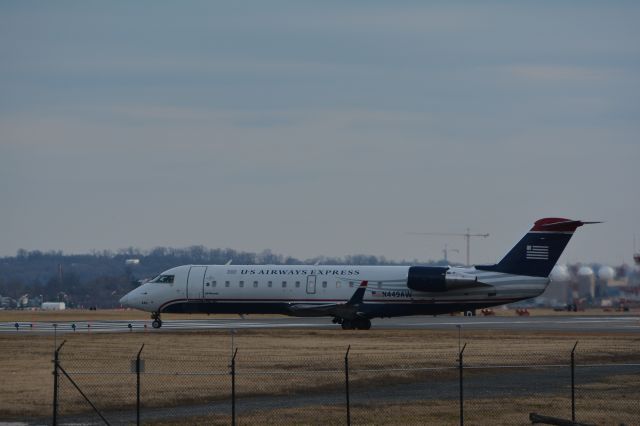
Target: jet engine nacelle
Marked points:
438	279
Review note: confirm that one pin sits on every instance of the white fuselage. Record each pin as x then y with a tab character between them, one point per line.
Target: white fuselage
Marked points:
278	288
352	294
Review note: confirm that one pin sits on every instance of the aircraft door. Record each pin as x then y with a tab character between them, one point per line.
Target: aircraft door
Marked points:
195	282
311	284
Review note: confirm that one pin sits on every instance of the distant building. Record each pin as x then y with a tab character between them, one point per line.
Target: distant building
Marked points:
7	302
53	306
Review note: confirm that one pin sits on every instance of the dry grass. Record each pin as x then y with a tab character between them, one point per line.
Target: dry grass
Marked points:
26	385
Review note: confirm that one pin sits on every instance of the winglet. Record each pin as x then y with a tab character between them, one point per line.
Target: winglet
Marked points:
357	297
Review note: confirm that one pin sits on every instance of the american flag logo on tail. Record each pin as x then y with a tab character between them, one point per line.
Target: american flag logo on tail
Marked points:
537	253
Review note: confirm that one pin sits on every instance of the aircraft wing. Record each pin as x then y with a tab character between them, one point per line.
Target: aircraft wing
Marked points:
348	310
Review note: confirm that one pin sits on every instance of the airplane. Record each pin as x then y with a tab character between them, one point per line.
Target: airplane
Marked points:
353	294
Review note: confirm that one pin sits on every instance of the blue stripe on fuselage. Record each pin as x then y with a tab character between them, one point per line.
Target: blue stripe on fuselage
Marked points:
371	310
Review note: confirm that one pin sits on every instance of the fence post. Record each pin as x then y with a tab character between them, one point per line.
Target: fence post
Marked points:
460	367
346	382
233	388
56	374
573	383
138	386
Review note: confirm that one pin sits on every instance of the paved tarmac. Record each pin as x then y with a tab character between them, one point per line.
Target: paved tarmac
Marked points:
568	323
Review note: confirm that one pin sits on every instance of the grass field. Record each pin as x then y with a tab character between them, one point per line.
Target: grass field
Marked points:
175	363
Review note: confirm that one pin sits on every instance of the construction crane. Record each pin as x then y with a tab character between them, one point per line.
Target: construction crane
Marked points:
467	235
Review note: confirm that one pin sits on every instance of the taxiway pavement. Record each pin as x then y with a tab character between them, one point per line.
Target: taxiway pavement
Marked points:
577	323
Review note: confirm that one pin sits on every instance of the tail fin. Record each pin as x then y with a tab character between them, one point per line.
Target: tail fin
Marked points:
538	251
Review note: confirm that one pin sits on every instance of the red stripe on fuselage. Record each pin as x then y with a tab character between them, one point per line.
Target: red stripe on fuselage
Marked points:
372	302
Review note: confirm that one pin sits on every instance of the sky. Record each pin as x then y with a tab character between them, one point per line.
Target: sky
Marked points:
318	128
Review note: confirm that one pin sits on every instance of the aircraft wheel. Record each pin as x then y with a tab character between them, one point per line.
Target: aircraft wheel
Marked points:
347	325
156	323
365	324
362	324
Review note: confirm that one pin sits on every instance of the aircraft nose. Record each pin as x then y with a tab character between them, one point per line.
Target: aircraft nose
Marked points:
124	301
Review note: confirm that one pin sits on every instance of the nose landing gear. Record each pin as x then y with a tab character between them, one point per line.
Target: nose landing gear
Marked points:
157	322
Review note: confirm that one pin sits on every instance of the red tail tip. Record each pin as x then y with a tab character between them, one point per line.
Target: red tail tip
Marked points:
557	224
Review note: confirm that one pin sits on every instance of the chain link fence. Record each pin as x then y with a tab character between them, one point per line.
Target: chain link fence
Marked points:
443	385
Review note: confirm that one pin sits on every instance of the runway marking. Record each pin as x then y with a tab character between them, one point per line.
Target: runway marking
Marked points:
122	326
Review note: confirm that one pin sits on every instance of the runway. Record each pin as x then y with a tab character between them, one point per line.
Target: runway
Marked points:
578	323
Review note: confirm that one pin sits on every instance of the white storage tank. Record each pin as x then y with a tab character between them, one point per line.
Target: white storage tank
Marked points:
560	273
606	273
53	306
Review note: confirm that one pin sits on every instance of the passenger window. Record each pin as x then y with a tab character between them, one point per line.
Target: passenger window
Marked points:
297	284
324	284
284	284
215	283
241	283
255	283
350	283
227	283
338	284
270	283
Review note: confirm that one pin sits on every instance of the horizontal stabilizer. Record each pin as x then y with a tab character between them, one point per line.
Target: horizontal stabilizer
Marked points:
554	224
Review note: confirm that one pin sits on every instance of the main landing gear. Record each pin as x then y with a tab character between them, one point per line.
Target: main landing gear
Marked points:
354	324
157	322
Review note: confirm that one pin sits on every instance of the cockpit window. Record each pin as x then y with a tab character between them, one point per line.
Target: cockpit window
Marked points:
167	279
